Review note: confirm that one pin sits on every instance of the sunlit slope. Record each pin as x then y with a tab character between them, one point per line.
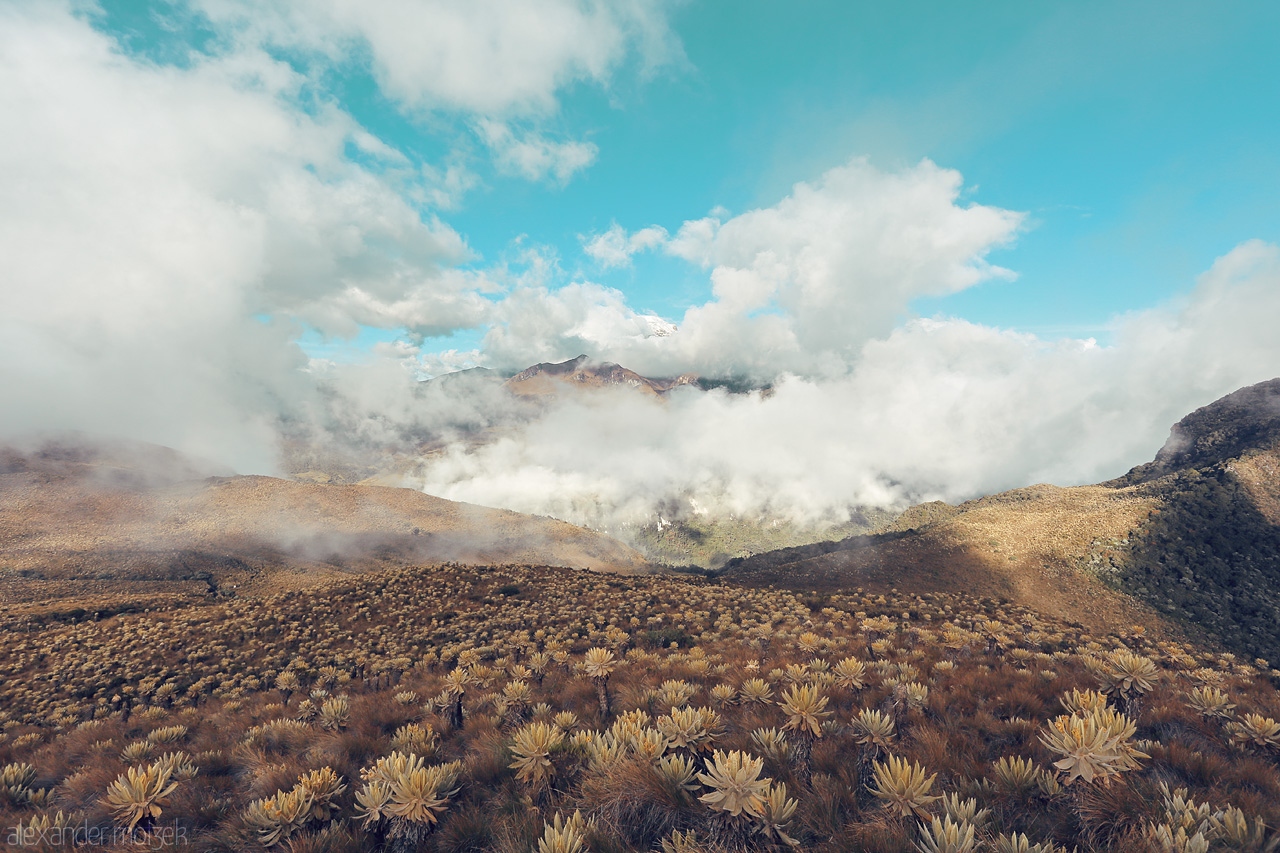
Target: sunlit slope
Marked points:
1028	545
1190	540
89	525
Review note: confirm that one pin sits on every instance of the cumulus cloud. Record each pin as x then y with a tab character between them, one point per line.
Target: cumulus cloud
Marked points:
169	229
488	61
799	286
158	227
487	57
539	323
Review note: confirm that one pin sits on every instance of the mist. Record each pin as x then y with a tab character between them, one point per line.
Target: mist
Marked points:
939	409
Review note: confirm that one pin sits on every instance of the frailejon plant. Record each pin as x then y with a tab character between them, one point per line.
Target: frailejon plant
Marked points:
805	707
456	684
1211	702
324	786
278	817
138	795
532	747
775	816
736	786
1255	733
692	729
1126	676
1015	776
850	674
772	743
755	691
561	835
387	639
15	782
403	798
903	786
598	664
1093	746
946	835
875	732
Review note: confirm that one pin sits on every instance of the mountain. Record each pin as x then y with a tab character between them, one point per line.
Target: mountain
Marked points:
1242	424
117	524
581	372
1211	554
1187	542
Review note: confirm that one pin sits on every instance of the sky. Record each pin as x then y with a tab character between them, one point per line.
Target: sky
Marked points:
971	246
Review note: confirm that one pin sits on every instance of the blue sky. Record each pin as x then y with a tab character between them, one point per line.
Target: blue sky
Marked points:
1139	137
969	250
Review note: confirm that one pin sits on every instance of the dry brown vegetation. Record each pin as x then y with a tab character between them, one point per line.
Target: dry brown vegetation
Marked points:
100	529
1027	545
517	708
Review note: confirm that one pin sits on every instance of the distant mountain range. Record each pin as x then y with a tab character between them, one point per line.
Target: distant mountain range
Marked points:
1186	543
584	373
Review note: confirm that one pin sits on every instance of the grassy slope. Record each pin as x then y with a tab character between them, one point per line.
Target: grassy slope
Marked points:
1026	545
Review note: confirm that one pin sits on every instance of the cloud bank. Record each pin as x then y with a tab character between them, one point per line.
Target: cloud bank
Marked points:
935	409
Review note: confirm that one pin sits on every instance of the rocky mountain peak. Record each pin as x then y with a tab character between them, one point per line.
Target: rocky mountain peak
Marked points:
1244	420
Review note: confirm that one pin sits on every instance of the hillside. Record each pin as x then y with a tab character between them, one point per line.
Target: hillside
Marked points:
515	708
1211	555
1026	546
967	674
1190	541
109	525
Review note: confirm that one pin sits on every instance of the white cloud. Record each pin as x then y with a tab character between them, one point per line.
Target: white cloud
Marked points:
535	324
934	409
533	156
444	188
615	247
488	62
164	230
153	222
487	57
800	286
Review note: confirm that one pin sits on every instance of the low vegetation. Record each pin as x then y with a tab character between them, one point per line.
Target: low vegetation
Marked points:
1211	558
516	708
